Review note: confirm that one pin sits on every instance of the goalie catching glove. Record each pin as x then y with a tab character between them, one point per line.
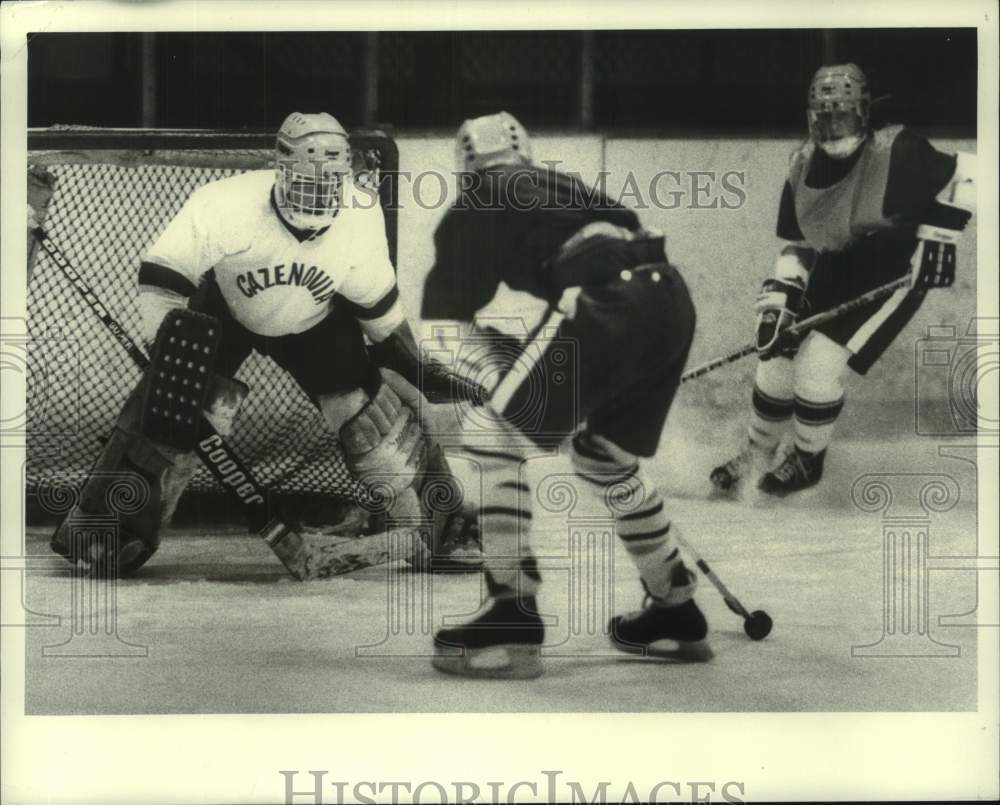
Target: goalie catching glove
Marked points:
777	308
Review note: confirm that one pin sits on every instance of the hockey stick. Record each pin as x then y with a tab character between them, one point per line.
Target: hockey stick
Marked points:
756	624
303	560
525	363
802	327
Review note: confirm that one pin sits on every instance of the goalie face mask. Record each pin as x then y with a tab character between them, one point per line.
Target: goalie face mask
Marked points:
309	194
313	162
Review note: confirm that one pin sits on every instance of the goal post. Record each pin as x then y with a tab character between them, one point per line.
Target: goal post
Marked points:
113	192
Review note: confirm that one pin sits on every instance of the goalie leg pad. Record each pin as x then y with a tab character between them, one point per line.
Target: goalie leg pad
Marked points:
147	477
385	448
128	465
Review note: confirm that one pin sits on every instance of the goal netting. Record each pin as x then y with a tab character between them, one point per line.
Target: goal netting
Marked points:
114	191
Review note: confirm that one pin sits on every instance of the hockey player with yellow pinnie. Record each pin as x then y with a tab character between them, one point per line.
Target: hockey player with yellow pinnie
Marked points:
860	207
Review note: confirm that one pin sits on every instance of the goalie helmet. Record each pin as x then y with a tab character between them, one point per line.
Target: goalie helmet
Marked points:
312	162
838	108
491	140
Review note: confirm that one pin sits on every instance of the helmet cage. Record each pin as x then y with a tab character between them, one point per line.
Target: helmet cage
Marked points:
849	120
310	191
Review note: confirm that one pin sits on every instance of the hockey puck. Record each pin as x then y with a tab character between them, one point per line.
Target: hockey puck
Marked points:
758	625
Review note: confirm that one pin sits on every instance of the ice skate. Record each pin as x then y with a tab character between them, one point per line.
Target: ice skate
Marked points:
503	641
729	479
673	631
800	470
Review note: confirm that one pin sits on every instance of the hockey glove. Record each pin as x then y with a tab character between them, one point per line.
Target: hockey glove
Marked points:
934	261
777	307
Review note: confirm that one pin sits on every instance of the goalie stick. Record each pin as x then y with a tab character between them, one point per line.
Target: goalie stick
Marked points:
801	327
305	559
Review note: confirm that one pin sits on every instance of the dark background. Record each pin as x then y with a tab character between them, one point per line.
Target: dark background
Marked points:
662	82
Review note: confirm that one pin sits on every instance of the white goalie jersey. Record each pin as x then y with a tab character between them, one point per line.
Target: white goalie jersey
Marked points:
275	279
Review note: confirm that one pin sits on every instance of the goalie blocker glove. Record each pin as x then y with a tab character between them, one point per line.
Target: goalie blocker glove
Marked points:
777	308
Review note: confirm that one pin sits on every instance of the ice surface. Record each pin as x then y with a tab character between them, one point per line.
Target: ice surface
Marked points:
228	632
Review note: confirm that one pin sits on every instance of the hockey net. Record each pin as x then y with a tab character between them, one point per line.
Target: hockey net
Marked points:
113	192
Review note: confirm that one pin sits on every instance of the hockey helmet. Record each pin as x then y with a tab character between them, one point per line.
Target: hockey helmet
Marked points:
484	142
312	160
838	107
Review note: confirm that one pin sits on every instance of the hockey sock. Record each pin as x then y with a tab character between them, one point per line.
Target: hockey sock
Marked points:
819	392
505	522
640	514
772	402
814	422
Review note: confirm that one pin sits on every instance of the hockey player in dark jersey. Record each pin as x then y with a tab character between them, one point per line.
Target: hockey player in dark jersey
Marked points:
860	208
630	321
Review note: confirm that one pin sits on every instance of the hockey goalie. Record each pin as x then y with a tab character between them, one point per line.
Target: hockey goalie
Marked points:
293	264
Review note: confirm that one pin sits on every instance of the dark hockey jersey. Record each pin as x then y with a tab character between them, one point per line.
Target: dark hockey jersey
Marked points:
887	184
504	229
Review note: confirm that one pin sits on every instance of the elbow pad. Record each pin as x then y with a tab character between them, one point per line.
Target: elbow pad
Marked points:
793	264
154	305
961	189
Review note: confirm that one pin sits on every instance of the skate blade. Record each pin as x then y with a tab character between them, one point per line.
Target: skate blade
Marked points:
495	662
775	496
689	651
716	493
754	498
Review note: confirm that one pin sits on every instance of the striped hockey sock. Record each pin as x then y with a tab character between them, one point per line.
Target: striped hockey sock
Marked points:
640	514
505	523
768	419
814	422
